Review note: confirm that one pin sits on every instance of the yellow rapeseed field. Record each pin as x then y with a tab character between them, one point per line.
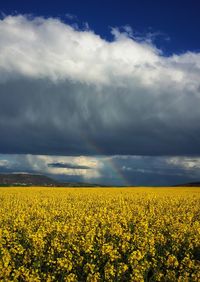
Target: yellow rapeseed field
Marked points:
99	234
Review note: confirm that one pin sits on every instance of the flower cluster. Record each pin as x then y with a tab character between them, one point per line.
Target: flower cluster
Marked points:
99	234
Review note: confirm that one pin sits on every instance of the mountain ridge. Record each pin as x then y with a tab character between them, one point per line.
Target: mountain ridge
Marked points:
27	179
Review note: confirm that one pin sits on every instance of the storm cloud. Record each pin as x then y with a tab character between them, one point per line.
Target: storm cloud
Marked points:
65	91
68	165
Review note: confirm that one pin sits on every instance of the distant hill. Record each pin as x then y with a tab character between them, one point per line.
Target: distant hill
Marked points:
28	180
25	179
191	184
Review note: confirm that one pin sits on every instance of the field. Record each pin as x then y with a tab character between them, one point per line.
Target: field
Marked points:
99	234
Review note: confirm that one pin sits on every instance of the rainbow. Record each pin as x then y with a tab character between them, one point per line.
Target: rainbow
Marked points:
116	171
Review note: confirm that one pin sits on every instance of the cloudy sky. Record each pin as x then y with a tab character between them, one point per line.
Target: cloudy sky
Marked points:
114	102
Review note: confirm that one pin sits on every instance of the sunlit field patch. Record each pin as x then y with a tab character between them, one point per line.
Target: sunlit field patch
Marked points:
100	234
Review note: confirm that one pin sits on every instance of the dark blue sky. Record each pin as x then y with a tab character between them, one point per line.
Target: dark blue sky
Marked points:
177	20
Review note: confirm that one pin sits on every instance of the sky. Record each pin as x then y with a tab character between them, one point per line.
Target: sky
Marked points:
101	91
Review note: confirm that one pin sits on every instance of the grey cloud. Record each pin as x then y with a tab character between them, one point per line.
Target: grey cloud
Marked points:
152	171
68	118
68	165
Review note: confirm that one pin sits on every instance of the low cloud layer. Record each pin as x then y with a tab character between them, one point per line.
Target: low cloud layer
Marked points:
110	170
65	91
57	166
